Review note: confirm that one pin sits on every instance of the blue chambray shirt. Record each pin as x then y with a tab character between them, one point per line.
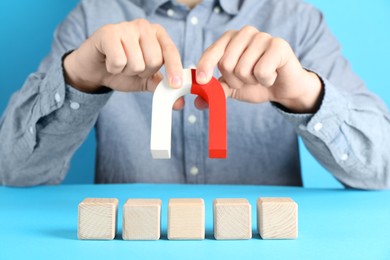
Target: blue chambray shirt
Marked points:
47	120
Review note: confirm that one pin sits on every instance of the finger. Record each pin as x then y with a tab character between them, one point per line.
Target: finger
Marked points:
135	60
200	103
153	81
179	104
249	93
245	66
233	52
228	91
274	58
171	57
151	52
110	45
211	57
152	84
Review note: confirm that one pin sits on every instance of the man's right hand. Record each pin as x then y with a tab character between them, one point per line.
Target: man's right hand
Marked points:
125	57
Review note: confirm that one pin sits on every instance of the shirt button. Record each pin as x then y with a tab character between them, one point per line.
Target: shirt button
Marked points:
74	105
194	20
344	157
318	127
31	129
170	12
194	171
217	9
57	97
302	127
192	119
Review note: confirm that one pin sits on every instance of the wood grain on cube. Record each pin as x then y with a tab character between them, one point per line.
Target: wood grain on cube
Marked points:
97	218
186	219
232	219
277	218
141	219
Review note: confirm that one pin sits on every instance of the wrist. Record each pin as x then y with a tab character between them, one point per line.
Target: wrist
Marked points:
72	77
310	98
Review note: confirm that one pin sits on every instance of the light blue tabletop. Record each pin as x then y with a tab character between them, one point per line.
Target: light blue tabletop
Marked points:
41	223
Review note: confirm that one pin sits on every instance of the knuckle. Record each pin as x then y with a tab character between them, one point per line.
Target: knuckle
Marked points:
136	67
249	29
267	82
155	62
109	29
125	24
266	35
266	79
118	63
142	24
111	70
261	37
261	74
158	27
225	66
114	68
229	33
279	42
241	72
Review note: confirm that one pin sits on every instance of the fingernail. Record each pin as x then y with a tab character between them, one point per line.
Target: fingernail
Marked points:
201	77
176	82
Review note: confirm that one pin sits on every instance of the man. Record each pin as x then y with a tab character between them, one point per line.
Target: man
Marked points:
277	55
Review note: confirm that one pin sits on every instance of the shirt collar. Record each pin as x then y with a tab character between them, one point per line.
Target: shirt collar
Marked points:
150	6
229	6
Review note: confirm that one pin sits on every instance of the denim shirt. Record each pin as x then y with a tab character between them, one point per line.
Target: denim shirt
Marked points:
47	120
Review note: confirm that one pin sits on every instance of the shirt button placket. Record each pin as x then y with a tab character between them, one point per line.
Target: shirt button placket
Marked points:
193	142
194	20
195	151
194	171
192	119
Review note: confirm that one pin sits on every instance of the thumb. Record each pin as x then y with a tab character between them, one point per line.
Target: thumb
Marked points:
251	93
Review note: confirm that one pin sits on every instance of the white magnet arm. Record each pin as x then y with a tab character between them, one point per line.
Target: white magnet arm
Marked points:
163	99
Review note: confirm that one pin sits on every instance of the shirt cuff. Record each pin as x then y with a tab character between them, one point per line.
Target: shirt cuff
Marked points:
326	123
55	94
326	131
80	108
62	108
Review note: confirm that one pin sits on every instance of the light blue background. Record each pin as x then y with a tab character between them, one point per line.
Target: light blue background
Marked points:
26	29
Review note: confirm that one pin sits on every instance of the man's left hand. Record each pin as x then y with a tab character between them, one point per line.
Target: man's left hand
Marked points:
256	68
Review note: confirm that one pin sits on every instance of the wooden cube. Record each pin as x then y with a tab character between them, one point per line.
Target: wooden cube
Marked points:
232	219
186	219
277	218
141	219
97	218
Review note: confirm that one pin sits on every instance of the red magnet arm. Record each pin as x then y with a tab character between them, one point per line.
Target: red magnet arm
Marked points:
214	95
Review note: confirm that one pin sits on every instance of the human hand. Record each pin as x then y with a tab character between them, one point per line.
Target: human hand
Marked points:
257	67
125	57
